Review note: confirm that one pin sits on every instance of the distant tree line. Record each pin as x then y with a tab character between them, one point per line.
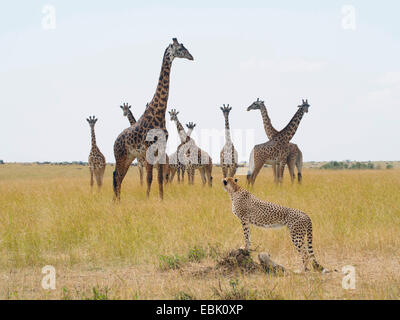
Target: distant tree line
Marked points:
341	165
1	162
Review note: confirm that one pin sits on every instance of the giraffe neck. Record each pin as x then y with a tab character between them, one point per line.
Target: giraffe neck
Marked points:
155	110
93	137
227	130
288	132
268	128
131	118
189	132
181	130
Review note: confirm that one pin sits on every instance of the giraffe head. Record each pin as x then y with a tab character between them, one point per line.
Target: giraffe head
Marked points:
190	125
92	121
304	105
177	50
226	109
174	114
256	105
125	108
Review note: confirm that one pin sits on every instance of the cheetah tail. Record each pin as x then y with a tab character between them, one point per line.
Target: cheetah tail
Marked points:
310	250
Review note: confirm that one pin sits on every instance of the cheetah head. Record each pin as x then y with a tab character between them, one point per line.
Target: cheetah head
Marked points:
230	185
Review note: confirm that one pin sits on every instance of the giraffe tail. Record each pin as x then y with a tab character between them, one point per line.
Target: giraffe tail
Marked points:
115	181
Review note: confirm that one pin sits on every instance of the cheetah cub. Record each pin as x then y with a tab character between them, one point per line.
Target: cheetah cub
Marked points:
251	210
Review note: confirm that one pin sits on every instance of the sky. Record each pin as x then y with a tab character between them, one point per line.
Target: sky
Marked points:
343	56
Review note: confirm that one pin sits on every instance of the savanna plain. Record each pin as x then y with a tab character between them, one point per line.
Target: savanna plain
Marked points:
152	249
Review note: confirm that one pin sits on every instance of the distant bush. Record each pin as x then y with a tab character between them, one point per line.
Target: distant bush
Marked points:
335	165
389	166
339	165
1	162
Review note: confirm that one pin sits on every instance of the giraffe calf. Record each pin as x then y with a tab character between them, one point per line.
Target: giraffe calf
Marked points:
251	210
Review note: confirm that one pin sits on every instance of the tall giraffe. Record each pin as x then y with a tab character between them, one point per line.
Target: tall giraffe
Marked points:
190	155
126	108
97	161
277	148
175	165
135	141
228	155
295	157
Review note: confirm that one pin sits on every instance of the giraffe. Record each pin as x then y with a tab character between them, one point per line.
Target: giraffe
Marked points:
175	165
126	108
228	155
97	162
135	141
190	155
277	148
195	158
295	157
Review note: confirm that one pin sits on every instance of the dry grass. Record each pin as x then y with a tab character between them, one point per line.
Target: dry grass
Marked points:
151	249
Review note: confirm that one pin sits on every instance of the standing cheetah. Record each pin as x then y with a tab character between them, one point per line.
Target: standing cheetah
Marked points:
251	210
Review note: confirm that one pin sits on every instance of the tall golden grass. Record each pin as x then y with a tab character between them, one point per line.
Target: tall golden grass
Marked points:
49	216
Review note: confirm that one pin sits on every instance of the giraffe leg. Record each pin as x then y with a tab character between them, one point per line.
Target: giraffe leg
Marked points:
203	175
118	176
140	167
166	172
149	174
183	174
246	233
258	166
97	174
160	181
172	174
99	177
281	171
121	167
224	171
190	173
209	174
275	171
291	170
233	170
91	177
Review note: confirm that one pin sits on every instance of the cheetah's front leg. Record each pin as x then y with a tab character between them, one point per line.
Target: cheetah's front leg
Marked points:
246	232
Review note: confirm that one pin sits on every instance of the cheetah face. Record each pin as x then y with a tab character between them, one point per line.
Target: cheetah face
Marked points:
229	184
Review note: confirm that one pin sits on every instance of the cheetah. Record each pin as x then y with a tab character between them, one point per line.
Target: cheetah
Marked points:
251	210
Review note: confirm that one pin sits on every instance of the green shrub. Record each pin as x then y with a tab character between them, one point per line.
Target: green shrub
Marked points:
170	262
196	254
